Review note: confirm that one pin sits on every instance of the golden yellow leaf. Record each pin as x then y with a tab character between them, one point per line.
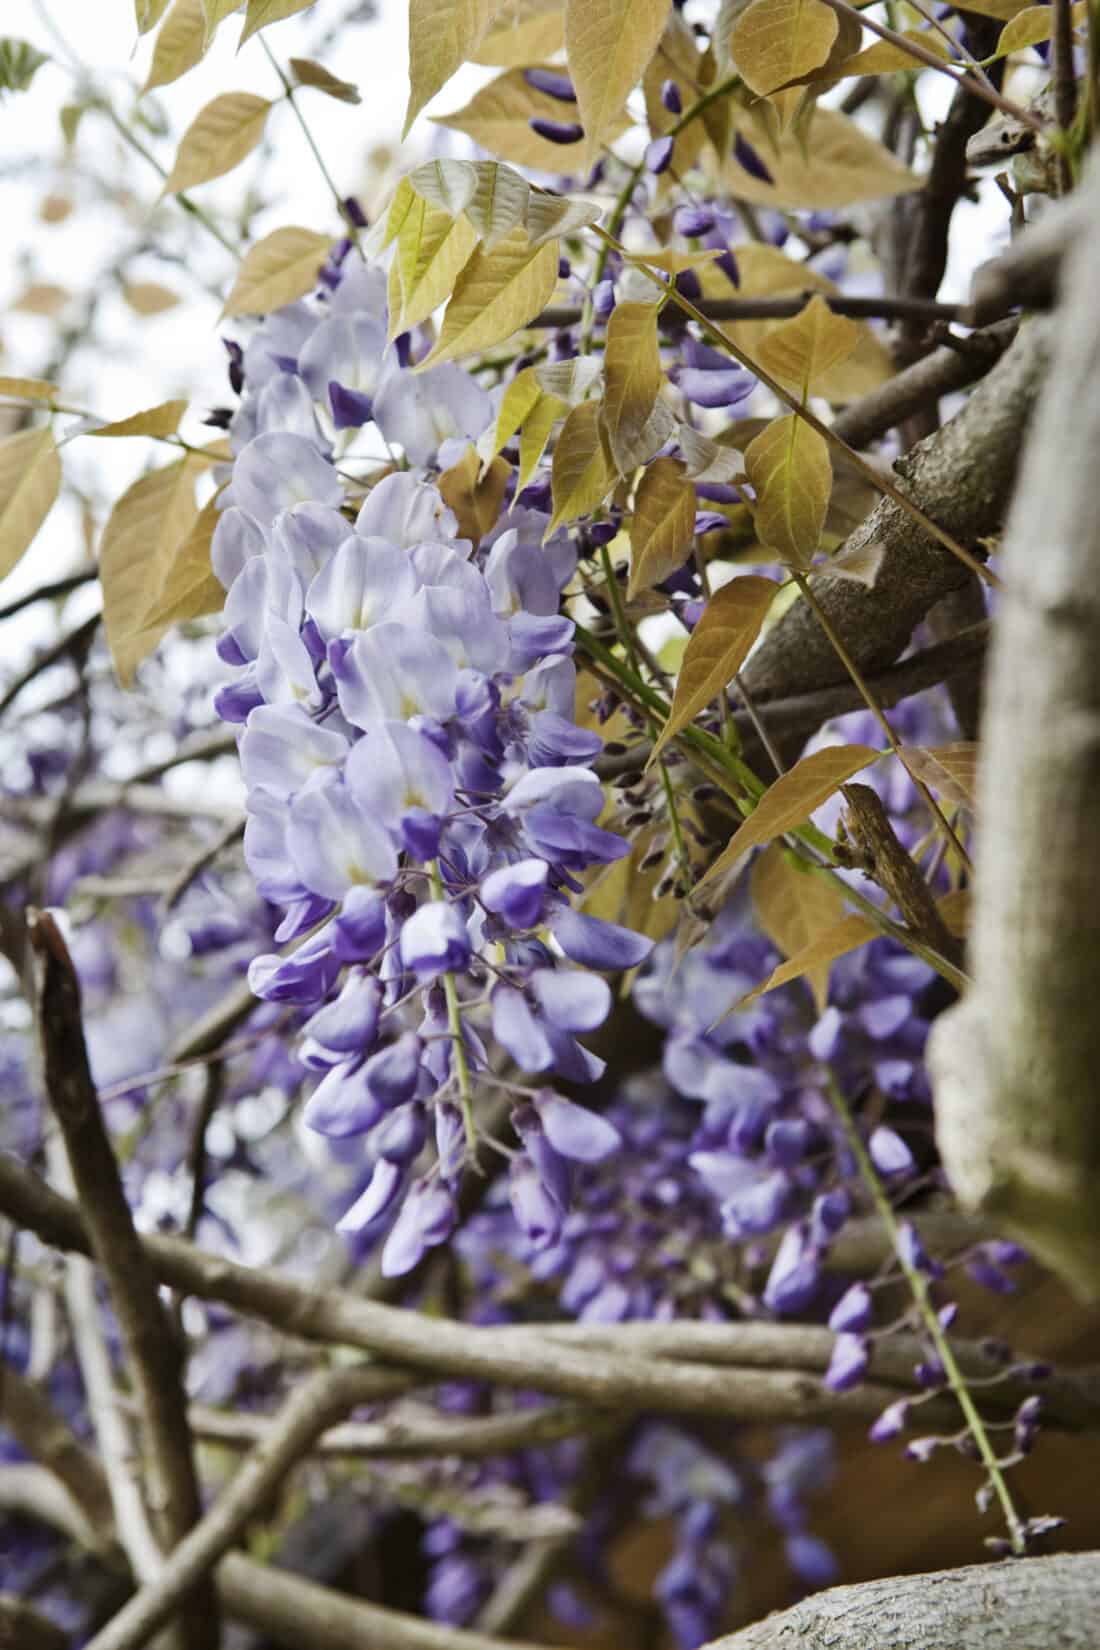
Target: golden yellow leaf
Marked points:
215	13
308	73
608	44
219	138
41	298
795	907
475	498
448	184
149	297
190	588
581	477
717	648
179	45
802	351
839	166
55	208
536	433
677	58
146	528
498	117
1028	28
707	460
496	294
954	908
30	478
28	389
161	420
775	41
788	465
499	203
432	248
663	527
262	12
950	770
846	935
443	34
524	31
551	215
671	260
793	798
1000	9
277	270
766	272
632	383
148	13
884	57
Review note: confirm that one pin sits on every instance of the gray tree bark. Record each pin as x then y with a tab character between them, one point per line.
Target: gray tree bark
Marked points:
1015	1066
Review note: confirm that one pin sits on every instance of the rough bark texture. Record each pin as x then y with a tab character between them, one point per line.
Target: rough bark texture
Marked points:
1030	1604
962	476
1015	1066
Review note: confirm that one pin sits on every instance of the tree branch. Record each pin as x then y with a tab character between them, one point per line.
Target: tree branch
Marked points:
1014	1066
949	368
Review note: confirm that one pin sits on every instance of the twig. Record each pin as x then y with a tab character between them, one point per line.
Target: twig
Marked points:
921	383
47	1438
231	832
771	309
152	1349
883	858
24	1628
68	646
49	592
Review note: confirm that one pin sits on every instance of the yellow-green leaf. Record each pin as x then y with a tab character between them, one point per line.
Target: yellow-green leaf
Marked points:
277	270
536	433
1000	9
795	907
179	45
793	798
677	58
663	527
448	184
149	297
524	31
499	203
28	389
190	588
432	248
148	13
846	935
146	528
671	261
707	460
496	294
262	12
215	13
443	34
580	477
518	402
1029	27
30	477
717	648
839	166
775	41
950	770
308	73
475	498
788	465
571	379
885	57
498	118
219	138
801	351
632	382
609	44
161	420
557	215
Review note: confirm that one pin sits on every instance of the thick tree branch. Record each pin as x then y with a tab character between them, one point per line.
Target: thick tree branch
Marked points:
1014	1066
949	368
963	476
1029	1604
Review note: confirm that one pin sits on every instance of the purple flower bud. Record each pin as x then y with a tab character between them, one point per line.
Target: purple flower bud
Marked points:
602	532
348	1025
400	1137
853	1311
435	941
829	1213
341	1104
787	1141
354	212
848	1363
727	263
756	1208
693	221
812	1561
427	1219
538	1214
912	1252
922	1449
379	1197
392	1074
574	1131
891	1423
554	82
570	999
450	1139
565	269
930	1374
746	156
889	1153
658	155
594	943
688	282
603	299
518	1030
517	892
794	1276
556	131
710	521
670	97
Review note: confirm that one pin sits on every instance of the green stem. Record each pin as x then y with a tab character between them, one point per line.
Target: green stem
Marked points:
918	1285
288	94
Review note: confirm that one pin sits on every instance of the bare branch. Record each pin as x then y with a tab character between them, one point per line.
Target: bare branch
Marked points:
23	1628
947	369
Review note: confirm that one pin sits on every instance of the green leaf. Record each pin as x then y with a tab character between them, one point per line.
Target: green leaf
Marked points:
219	138
775	41
496	294
632	384
556	215
792	799
147	527
848	934
30	479
571	380
443	34
161	420
802	351
608	44
580	477
308	73
262	12
795	907
432	249
278	269
19	63
717	648
190	589
148	13
788	465
663	527
179	45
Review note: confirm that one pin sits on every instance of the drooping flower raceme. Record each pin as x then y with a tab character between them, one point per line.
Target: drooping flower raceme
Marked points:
420	796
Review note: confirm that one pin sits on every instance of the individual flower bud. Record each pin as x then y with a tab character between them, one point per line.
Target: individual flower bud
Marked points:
670	97
688	283
746	156
381	1194
517	892
553	82
574	1131
603	299
348	1025
658	155
891	1423
400	1137
556	131
889	1153
853	1311
693	221
812	1561
427	1218
435	941
538	1214
341	1104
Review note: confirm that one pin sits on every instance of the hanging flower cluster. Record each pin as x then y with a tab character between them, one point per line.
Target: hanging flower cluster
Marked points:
420	799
